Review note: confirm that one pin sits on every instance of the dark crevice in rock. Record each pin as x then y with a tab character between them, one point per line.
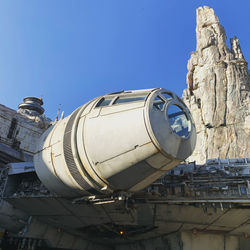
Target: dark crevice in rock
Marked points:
215	95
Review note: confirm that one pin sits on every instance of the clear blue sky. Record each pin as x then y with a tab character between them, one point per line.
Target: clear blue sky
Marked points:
72	51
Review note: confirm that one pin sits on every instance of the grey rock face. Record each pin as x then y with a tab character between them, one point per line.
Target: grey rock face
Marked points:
218	93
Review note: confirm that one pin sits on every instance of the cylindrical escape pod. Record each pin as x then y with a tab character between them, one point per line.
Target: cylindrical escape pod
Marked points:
118	142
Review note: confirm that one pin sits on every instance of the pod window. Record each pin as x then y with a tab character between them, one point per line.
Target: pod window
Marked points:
103	102
178	120
167	95
126	99
158	103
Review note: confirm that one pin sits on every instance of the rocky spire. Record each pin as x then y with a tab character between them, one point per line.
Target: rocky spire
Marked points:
218	93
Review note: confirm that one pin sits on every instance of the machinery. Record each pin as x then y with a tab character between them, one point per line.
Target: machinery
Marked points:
83	175
100	179
118	142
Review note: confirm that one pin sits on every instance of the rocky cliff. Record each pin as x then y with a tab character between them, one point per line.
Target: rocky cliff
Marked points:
218	92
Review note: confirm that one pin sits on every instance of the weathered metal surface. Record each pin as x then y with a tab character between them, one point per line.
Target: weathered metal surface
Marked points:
9	154
160	209
190	199
20	168
220	180
33	104
20	132
118	142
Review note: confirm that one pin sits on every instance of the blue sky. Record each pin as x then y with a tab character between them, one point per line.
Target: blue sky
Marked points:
71	51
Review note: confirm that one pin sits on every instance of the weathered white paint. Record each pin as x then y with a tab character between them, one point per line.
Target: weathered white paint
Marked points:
123	146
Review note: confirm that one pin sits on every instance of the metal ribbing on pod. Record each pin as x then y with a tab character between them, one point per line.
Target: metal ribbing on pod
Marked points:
69	158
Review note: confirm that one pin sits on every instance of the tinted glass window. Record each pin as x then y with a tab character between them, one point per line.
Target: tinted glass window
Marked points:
167	95
125	99
158	103
178	120
103	102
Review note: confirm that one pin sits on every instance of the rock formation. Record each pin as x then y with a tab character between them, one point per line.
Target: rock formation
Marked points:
218	92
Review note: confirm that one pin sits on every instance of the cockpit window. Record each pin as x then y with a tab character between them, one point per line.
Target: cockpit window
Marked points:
104	102
167	95
126	99
158	103
178	120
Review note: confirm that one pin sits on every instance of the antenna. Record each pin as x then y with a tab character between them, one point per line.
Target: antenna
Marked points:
58	112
